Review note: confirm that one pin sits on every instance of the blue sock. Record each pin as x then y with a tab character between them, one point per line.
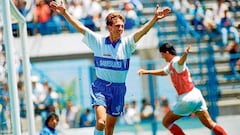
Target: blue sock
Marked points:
98	132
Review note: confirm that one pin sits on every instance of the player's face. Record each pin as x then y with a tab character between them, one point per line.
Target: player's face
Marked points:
117	27
52	123
165	56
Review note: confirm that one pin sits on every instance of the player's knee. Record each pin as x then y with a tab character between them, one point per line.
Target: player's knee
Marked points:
165	123
101	124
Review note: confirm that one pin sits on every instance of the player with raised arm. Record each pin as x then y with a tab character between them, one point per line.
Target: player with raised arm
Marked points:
190	99
111	58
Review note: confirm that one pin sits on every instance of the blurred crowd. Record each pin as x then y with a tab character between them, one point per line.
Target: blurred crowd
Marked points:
42	20
45	97
217	22
45	101
145	112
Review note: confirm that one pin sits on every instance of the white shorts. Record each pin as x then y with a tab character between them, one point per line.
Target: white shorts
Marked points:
190	102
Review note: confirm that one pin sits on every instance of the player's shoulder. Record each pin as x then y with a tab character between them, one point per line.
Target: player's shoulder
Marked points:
176	59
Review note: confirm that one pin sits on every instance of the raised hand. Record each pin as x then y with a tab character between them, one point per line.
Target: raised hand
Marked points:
184	56
59	8
187	49
159	14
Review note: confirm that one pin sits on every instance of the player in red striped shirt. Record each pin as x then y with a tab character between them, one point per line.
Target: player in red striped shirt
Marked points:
190	99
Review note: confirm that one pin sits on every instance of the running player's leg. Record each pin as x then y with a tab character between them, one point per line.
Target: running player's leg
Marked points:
100	119
110	124
168	122
206	120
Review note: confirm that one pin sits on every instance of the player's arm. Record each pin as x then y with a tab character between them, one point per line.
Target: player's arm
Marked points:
184	56
159	72
59	8
159	14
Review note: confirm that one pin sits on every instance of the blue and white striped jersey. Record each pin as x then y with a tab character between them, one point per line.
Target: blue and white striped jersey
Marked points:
111	59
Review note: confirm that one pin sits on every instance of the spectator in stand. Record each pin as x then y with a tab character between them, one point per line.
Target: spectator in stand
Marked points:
164	103
75	9
97	7
157	111
4	106
227	27
233	5
136	112
198	17
132	116
146	111
87	119
26	9
132	113
218	12
69	115
41	16
125	116
131	18
94	15
86	6
106	10
20	71
22	102
208	20
37	93
47	104
50	125
162	107
21	96
55	23
233	50
138	8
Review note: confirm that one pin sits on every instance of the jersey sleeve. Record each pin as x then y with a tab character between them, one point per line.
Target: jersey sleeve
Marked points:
131	43
179	68
92	40
166	69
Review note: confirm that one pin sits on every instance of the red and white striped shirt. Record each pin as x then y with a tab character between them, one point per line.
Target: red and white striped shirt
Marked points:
180	76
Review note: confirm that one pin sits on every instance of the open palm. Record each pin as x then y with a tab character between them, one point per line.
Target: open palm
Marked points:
59	8
162	13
